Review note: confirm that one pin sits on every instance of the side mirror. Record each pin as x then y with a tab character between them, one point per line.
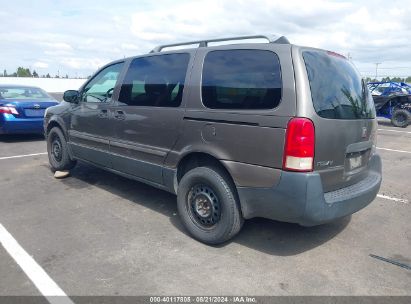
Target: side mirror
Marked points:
71	96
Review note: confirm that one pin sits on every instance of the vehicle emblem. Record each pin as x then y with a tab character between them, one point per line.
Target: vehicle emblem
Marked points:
325	163
364	132
36	106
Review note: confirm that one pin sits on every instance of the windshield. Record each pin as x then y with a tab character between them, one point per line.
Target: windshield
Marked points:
23	93
336	88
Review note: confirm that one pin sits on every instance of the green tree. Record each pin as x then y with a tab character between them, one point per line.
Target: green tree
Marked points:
35	74
5	73
23	72
369	79
48	75
408	79
396	79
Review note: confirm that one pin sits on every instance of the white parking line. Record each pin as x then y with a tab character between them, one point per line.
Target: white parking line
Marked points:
47	287
398	131
401	151
400	200
25	155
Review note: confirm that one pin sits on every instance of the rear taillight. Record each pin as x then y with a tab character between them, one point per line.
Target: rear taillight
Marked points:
299	145
8	110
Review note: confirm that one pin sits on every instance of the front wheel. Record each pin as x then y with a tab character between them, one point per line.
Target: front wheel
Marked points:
57	150
400	118
208	205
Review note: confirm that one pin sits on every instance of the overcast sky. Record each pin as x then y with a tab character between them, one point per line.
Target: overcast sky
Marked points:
76	37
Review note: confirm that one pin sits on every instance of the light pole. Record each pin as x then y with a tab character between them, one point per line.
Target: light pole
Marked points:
376	70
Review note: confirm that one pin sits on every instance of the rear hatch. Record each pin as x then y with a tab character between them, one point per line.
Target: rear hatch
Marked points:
345	124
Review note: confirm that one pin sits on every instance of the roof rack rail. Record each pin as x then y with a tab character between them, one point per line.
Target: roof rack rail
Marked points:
204	43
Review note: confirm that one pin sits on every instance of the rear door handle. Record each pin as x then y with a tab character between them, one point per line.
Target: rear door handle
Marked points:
103	113
119	115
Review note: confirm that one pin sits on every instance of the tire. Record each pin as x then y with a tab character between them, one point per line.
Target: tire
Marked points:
204	187
400	118
57	151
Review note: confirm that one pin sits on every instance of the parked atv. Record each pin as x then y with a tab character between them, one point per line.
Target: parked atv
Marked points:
393	101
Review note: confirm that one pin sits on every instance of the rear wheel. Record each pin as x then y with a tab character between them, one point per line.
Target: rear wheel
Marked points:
57	149
400	118
208	205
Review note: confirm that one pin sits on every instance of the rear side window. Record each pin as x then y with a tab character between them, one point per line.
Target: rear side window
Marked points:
241	79
155	81
337	90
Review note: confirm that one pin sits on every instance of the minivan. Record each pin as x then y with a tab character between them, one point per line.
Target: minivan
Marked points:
236	131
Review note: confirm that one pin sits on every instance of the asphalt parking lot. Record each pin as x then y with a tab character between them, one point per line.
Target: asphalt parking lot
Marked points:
96	233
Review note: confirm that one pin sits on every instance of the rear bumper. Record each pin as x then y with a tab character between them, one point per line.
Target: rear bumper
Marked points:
299	198
12	125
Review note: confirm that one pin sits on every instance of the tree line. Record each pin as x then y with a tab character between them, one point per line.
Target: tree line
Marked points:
388	79
25	72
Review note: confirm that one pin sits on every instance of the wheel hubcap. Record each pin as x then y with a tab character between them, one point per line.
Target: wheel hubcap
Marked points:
56	149
401	118
204	206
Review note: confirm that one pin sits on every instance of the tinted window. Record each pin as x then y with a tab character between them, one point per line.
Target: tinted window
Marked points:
241	79
336	88
156	81
101	87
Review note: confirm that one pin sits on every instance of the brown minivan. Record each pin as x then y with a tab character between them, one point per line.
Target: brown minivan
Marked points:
237	131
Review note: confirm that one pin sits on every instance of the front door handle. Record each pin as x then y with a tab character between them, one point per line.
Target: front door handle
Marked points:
119	115
103	114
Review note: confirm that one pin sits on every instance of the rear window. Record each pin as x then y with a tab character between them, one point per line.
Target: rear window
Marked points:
241	79
23	93
336	88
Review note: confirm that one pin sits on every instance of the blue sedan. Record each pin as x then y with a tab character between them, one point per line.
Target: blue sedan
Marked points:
22	109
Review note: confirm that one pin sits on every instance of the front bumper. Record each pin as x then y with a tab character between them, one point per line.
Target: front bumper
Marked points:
299	197
12	125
